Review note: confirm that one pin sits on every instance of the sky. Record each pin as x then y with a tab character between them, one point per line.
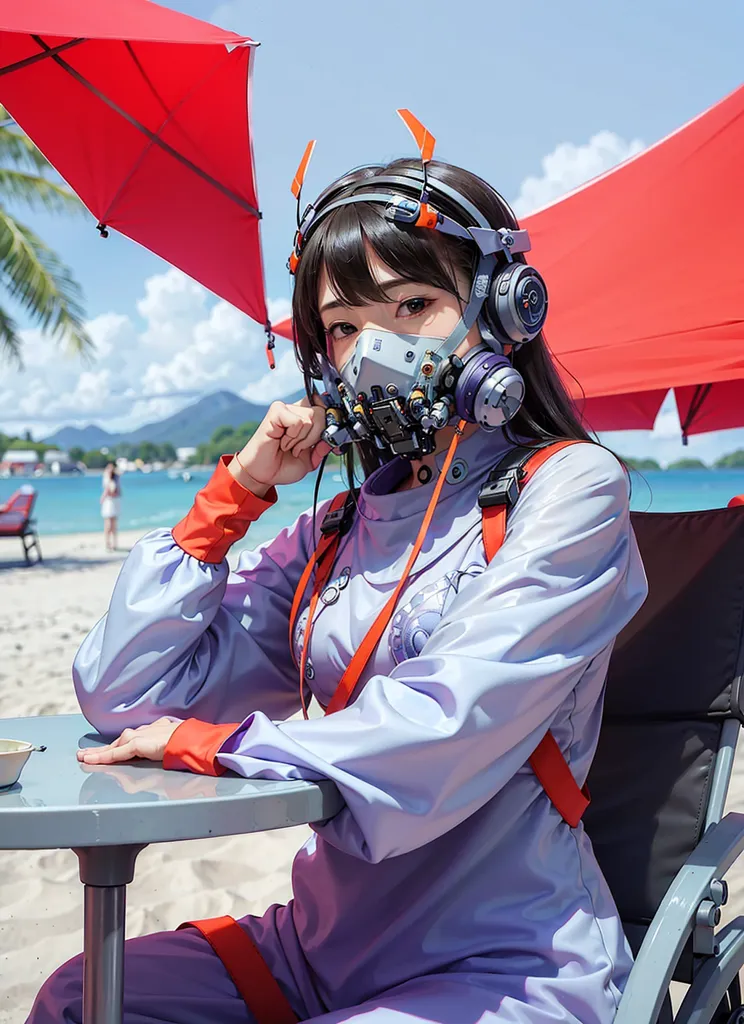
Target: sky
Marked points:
536	99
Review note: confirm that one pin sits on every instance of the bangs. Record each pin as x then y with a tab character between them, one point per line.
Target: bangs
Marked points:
341	247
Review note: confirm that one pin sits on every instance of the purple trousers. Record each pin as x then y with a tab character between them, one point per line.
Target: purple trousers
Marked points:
175	977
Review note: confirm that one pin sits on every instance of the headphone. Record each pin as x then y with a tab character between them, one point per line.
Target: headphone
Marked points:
508	300
515	296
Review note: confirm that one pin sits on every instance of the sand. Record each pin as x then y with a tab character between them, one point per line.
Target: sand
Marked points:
45	611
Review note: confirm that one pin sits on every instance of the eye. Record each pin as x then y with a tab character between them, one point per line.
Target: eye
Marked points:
414	306
340	330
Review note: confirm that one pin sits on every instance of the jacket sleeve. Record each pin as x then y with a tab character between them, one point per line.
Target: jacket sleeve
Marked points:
425	747
184	636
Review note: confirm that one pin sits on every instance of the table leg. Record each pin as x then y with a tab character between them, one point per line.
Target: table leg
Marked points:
105	871
103	953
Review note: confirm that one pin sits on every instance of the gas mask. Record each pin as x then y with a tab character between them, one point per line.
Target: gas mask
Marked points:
397	390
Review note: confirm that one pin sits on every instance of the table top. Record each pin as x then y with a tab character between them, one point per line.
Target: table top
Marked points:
60	803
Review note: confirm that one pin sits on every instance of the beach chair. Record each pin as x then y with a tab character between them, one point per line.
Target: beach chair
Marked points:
673	709
16	521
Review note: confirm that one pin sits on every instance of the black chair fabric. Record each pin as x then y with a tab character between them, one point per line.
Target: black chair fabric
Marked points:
675	676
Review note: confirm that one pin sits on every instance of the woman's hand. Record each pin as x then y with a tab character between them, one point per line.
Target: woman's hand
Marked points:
284	449
149	741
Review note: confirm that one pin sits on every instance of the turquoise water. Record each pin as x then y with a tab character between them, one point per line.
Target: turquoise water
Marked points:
70	504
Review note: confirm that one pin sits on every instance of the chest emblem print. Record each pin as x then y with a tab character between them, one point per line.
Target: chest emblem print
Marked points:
414	623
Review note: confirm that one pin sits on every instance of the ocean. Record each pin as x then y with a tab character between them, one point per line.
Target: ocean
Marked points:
70	504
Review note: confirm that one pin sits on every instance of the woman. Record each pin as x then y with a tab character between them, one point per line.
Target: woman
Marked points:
110	505
449	888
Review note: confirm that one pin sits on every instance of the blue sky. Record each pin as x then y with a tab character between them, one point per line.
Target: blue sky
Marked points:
502	86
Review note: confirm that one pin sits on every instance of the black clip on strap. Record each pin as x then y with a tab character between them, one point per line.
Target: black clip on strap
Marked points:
340	519
501	488
505	479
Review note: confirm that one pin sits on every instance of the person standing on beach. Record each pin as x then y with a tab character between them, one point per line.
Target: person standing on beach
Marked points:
110	505
456	884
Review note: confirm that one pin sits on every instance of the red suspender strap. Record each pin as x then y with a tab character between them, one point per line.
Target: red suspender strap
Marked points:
247	968
547	762
562	789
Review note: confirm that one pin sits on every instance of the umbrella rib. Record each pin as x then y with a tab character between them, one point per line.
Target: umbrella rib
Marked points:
170	114
698	399
50	51
146	77
146	131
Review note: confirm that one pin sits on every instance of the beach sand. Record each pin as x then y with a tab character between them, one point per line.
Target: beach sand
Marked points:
45	611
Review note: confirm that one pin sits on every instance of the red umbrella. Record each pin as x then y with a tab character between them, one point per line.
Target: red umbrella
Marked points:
145	113
645	267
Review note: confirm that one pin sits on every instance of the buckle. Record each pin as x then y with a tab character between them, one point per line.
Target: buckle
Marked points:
337	521
501	488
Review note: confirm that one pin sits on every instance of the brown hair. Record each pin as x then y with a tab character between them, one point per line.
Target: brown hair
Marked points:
338	245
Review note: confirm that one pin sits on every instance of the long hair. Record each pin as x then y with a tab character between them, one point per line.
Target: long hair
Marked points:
338	245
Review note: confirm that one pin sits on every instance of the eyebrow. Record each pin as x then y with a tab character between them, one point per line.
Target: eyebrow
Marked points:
392	283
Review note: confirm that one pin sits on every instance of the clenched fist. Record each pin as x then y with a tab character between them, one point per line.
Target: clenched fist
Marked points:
284	449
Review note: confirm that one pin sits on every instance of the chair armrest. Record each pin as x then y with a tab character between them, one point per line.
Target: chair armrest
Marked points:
674	921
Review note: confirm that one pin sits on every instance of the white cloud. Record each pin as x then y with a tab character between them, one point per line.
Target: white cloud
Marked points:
188	345
569	166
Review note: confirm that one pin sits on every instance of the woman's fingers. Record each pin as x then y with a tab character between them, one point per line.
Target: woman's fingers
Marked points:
312	435
289	424
112	754
318	453
295	434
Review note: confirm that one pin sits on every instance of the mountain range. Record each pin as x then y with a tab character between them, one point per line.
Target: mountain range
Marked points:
191	426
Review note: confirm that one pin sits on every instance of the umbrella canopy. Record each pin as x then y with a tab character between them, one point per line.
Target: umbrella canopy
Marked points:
645	267
145	113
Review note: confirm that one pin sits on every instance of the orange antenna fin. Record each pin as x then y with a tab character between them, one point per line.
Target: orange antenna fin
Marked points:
424	139
300	175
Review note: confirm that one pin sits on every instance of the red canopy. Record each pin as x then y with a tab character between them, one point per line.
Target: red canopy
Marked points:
645	268
145	113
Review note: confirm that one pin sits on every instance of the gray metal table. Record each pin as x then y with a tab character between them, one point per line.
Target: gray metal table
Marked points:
107	814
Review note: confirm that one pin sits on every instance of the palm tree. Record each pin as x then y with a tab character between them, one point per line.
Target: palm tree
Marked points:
30	272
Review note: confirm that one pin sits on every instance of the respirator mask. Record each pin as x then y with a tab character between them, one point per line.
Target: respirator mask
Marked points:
396	390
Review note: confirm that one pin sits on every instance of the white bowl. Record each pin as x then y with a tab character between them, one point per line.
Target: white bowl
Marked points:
13	756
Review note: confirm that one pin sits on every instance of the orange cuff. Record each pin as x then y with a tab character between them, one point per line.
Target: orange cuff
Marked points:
194	745
221	514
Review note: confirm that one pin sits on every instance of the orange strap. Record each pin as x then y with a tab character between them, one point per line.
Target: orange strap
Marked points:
363	653
247	968
547	761
323	557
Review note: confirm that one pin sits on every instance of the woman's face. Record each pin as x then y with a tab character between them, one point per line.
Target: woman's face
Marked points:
411	307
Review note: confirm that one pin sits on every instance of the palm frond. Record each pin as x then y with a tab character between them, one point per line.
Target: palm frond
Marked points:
43	285
17	149
37	192
10	341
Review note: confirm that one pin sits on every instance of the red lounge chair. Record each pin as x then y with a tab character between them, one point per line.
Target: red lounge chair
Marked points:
16	521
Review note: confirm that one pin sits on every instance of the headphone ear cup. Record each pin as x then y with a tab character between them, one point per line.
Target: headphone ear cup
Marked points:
489	390
517	303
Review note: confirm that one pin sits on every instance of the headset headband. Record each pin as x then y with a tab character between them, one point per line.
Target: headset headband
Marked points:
418	213
471	225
